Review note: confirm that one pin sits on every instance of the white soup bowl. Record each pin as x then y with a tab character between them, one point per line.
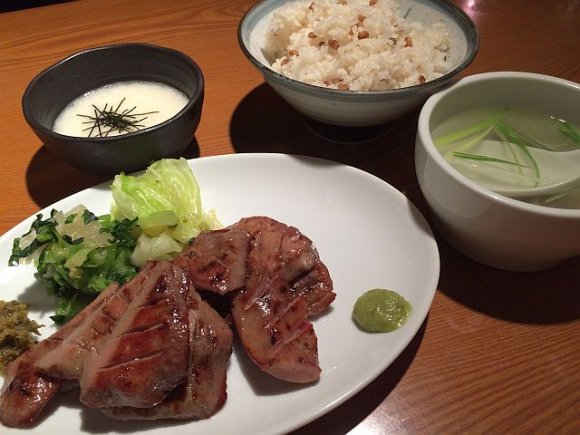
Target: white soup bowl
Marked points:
490	228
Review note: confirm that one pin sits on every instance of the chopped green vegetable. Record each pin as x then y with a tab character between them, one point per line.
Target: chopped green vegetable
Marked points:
77	255
479	157
474	134
510	136
167	203
569	130
468	132
16	330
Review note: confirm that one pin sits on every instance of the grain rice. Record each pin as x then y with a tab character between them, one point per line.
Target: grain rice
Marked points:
355	45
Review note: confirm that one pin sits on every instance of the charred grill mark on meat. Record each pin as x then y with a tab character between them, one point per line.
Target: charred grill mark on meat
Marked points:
146	354
216	260
153	349
286	284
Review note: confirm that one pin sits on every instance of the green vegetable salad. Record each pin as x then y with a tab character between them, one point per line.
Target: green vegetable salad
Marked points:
78	254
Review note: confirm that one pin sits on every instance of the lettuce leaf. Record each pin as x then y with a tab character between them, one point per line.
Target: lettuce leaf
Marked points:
166	201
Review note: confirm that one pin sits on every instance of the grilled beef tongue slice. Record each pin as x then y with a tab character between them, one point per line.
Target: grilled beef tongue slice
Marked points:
146	354
25	395
286	283
114	345
216	260
204	392
70	358
28	386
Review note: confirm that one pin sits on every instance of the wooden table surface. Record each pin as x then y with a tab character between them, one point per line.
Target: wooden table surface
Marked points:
499	351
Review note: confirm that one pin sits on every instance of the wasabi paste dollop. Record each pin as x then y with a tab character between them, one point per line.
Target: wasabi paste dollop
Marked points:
381	310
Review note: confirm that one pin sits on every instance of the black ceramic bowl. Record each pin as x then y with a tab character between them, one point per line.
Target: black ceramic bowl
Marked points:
52	89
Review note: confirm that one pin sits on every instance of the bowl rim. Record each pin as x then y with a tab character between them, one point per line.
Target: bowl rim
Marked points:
464	21
79	140
426	141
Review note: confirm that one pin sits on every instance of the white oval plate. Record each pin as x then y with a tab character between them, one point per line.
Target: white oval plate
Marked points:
367	233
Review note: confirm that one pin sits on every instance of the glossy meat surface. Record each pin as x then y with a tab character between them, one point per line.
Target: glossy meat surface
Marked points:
146	354
216	260
153	349
286	283
204	392
32	379
148	349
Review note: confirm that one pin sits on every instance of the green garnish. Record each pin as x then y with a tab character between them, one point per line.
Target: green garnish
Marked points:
77	255
474	134
568	129
381	310
112	119
17	331
510	136
469	132
483	158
